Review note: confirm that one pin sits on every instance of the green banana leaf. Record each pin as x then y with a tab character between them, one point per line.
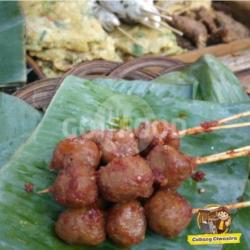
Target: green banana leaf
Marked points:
241	224
215	81
18	120
15	135
27	218
141	88
12	51
179	78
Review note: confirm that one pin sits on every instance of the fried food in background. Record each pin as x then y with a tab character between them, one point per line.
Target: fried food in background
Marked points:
202	25
65	33
61	34
197	34
149	41
233	30
178	6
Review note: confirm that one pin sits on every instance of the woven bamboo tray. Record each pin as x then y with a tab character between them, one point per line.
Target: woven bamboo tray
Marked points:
39	93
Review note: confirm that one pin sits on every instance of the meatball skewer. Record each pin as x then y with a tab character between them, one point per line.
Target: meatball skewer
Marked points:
160	132
171	167
126	223
74	187
168	213
128	142
125	179
128	178
81	226
209	127
215	125
75	151
114	143
84	150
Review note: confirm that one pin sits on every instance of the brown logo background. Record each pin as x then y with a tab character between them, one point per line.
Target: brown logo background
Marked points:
214	221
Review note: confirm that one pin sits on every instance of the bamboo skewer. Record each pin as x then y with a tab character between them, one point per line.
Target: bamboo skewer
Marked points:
124	32
178	12
200	129
208	126
228	206
147	24
161	9
169	18
230	154
234	117
238	205
178	32
181	11
44	191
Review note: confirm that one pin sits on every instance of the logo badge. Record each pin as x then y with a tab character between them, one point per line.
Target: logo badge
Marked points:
214	221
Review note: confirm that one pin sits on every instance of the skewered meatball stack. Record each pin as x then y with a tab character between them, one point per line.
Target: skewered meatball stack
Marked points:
107	167
126	178
75	187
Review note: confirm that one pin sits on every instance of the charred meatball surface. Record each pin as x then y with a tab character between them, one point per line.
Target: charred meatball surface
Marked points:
81	226
75	187
170	167
154	133
114	143
125	179
75	151
126	223
168	213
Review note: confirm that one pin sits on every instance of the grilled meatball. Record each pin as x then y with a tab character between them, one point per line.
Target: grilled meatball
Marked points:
94	135
169	166
126	223
75	187
75	151
114	143
168	213
125	179
81	226
154	133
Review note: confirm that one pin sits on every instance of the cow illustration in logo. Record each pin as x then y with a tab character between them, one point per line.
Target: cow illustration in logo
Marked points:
214	220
